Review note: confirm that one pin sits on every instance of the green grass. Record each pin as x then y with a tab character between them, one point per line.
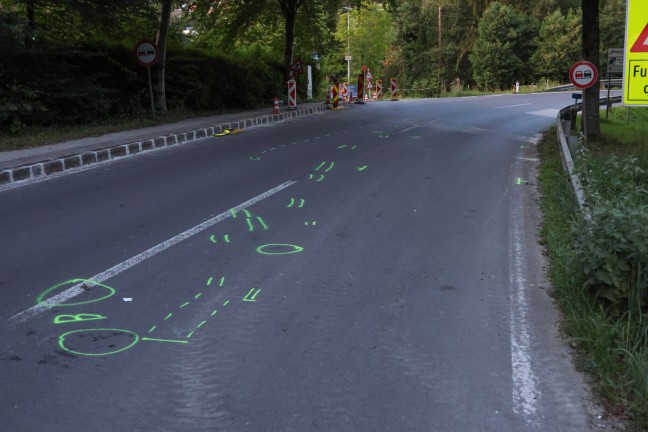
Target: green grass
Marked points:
610	348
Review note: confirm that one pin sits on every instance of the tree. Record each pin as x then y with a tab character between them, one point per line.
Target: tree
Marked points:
289	11
161	42
505	44
557	49
591	41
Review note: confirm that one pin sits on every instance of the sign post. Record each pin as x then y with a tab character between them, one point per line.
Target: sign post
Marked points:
147	54
361	85
635	69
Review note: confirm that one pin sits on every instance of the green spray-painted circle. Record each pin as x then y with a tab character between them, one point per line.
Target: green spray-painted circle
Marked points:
41	298
61	341
279	249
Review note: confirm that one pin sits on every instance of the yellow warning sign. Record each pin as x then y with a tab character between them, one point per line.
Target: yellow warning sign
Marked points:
635	70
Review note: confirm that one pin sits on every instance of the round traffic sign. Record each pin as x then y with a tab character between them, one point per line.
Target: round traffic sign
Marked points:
146	53
583	74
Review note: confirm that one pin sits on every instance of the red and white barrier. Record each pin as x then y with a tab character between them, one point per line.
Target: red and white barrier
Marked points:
292	94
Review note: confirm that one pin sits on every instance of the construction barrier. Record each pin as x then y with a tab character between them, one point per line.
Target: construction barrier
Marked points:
394	89
379	89
336	94
361	88
292	94
344	91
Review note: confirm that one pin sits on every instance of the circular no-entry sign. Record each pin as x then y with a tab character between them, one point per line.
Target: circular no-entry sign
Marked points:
146	53
583	74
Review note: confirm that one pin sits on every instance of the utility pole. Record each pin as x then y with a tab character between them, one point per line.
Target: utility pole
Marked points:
439	48
591	41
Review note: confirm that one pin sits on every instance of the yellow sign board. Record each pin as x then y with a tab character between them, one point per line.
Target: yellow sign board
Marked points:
635	70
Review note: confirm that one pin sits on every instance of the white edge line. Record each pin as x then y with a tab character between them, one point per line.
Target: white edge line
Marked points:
512	106
137	259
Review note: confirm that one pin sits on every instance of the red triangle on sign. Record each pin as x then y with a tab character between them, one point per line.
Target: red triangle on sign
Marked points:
642	42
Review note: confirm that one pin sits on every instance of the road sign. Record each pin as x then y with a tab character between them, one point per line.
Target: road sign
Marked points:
146	53
369	85
364	68
615	60
369	75
635	65
297	67
583	74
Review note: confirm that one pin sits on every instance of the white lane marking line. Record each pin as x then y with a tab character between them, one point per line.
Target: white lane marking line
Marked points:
551	113
524	379
137	259
512	106
528	159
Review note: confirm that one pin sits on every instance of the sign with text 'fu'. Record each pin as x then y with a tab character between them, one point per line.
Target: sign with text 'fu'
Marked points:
635	68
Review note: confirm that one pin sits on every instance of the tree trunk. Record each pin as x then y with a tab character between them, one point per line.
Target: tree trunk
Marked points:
30	8
591	108
289	11
162	35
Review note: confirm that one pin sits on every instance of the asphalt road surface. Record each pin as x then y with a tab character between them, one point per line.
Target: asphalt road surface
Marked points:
374	268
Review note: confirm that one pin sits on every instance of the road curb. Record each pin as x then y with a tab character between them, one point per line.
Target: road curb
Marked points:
75	161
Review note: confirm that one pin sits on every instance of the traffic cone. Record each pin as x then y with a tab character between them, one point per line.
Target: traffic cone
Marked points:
366	98
275	110
375	97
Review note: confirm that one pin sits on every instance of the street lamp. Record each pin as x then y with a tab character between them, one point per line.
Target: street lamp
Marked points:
348	56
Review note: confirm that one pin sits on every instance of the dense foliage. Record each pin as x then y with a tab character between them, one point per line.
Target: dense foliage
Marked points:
71	60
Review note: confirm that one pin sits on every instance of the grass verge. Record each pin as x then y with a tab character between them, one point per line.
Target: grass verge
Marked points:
609	346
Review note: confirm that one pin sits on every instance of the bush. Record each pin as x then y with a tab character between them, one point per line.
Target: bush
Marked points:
612	248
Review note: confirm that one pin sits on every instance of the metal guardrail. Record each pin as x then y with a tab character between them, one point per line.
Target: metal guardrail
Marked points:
617	82
565	125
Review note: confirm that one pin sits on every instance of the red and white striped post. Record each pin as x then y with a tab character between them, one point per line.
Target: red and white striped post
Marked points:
394	89
379	89
292	94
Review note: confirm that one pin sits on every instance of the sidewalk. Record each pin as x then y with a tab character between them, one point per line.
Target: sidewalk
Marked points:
19	165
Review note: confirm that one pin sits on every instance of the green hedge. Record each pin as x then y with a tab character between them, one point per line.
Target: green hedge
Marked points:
65	85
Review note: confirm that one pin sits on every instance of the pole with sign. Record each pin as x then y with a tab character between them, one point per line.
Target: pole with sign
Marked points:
635	70
583	75
147	54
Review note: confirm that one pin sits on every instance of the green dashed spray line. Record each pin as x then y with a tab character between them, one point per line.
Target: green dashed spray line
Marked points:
226	237
362	168
247	297
321	178
247	213
250	224
152	329
330	167
262	222
233	213
343	146
209	281
184	304
197	296
190	334
212	238
319	167
168	316
226	303
214	313
222	281
202	323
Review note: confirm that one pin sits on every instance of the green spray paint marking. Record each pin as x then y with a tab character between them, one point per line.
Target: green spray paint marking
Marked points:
86	284
354	147
152	329
233	213
320	178
310	176
201	324
209	281
222	281
278	249
250	224
114	332
212	238
293	201
362	168
226	303
184	304
247	213
164	340
310	223
226	237
343	146
330	167
264	152
168	316
320	166
247	298
214	313
190	334
263	224
197	296
64	319
255	158
520	181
